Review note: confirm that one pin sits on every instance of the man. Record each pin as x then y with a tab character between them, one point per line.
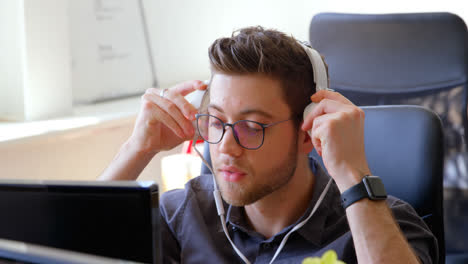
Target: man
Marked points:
265	176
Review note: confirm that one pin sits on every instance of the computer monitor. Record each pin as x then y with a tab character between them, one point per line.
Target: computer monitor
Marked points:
112	219
15	252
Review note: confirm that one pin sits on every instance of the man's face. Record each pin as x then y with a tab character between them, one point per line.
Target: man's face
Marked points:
245	176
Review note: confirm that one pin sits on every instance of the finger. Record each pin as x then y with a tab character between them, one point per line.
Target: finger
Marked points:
153	91
159	115
324	94
326	106
176	94
319	133
187	87
187	108
327	123
317	139
173	111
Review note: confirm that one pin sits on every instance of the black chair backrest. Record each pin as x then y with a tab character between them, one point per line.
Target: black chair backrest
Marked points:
416	58
404	146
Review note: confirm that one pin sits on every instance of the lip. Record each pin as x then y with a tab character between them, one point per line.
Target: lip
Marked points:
232	174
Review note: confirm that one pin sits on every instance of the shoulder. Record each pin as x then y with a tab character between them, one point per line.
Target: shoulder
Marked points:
404	213
403	210
175	204
415	229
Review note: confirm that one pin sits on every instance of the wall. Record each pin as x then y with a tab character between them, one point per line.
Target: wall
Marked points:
11	75
47	87
35	69
181	31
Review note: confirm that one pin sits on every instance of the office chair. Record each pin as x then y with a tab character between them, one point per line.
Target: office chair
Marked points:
404	146
415	59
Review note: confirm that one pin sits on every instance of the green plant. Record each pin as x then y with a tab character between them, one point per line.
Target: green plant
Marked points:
328	257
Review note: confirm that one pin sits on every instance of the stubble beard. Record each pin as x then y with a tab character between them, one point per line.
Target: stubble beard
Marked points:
241	194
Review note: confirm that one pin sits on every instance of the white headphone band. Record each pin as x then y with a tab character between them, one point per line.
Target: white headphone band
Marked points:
318	67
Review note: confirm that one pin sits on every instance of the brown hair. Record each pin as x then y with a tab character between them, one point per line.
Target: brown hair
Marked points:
255	50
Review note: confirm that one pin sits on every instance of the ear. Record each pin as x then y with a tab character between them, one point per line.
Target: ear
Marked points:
304	142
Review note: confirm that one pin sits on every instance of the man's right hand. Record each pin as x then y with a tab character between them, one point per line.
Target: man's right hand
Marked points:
165	122
162	124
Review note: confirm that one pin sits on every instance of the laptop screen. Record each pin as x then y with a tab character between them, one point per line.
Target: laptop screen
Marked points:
111	219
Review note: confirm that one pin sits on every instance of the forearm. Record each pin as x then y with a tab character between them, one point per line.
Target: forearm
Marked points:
127	164
377	237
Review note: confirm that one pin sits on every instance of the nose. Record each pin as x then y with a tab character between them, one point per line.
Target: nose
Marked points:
228	144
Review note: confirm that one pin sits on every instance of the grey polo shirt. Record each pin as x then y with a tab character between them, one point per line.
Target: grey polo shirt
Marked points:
192	233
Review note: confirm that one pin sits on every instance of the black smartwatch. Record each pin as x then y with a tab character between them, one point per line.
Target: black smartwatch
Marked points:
370	187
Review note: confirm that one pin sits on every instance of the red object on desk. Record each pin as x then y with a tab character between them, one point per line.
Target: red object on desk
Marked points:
187	147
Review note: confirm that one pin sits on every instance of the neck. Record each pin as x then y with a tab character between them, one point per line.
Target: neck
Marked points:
284	206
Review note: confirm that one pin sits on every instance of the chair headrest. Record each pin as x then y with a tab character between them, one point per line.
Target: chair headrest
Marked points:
392	53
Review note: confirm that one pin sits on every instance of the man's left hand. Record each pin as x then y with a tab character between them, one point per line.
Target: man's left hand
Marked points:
338	136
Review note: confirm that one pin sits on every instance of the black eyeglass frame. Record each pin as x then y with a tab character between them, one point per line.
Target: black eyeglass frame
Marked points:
234	132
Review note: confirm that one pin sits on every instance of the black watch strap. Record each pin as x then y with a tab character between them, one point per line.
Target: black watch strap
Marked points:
370	187
353	194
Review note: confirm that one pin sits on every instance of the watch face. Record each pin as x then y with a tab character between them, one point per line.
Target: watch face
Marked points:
375	188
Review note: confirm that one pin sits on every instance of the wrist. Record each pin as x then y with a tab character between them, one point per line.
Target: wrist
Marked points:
349	178
128	163
370	187
135	148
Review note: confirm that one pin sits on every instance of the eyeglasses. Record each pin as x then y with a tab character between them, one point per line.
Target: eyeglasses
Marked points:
248	134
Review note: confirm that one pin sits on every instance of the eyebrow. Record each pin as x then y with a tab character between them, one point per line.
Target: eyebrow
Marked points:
244	112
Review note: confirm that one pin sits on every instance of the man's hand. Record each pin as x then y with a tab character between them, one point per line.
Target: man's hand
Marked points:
162	123
165	122
338	136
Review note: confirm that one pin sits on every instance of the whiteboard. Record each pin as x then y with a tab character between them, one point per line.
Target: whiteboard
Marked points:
111	55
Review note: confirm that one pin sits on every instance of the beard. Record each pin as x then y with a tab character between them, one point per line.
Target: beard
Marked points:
257	186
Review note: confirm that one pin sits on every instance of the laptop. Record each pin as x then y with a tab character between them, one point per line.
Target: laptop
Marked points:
117	219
